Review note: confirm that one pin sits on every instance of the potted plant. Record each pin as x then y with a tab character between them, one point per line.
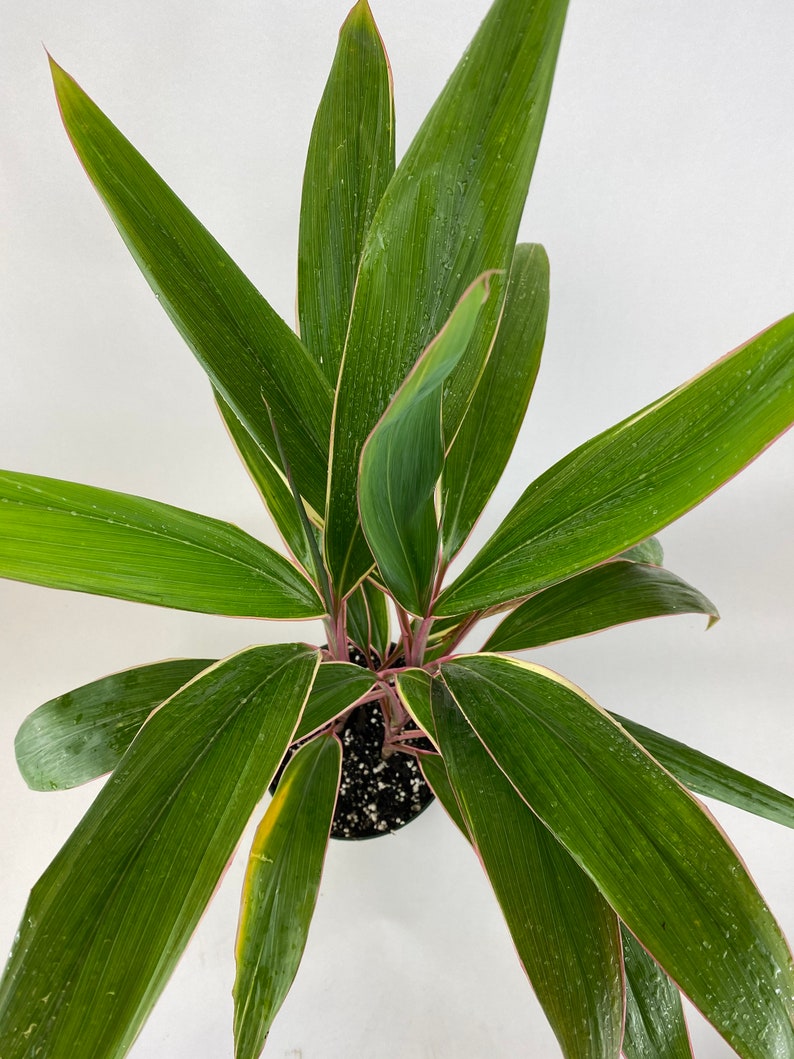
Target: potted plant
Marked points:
375	440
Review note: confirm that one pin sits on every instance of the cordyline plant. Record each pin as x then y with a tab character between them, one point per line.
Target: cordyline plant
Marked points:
375	439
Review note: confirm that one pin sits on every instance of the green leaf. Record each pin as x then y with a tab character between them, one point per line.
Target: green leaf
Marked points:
541	891
280	889
655	1026
368	619
638	476
108	920
450	213
435	772
402	461
350	162
608	595
359	628
246	349
565	934
490	427
651	849
706	775
65	535
414	687
444	632
380	623
336	688
272	486
649	551
83	734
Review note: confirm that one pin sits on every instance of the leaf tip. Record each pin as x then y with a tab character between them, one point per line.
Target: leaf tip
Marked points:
62	82
360	14
57	72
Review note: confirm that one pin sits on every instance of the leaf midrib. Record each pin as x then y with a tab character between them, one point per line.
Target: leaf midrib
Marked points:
639	822
162	536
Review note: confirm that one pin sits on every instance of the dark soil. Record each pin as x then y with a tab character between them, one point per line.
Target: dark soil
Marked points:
376	795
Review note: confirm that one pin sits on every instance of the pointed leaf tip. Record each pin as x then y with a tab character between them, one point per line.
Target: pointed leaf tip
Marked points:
239	340
58	74
420	252
403	458
360	11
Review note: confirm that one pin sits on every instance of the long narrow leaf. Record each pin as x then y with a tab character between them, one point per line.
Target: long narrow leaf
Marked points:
280	889
609	595
65	535
651	849
402	461
467	170
244	346
566	935
655	1025
272	486
435	773
108	920
83	734
706	775
638	476
350	162
486	437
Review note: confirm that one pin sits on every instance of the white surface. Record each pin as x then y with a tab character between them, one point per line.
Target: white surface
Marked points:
663	193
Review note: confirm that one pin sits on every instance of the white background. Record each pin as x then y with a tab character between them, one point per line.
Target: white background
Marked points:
664	195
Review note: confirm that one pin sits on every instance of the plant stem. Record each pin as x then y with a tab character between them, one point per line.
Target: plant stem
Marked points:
415	656
458	633
405	630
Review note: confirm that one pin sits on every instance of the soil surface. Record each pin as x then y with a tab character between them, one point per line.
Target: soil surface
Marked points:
376	795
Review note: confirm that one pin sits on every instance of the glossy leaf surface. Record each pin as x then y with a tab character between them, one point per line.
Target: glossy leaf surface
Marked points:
246	349
489	429
336	687
280	889
83	734
566	935
627	483
608	595
272	485
108	920
368	619
414	687
649	551
706	775
402	461
467	171
435	772
64	535
655	1025
650	848
349	164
